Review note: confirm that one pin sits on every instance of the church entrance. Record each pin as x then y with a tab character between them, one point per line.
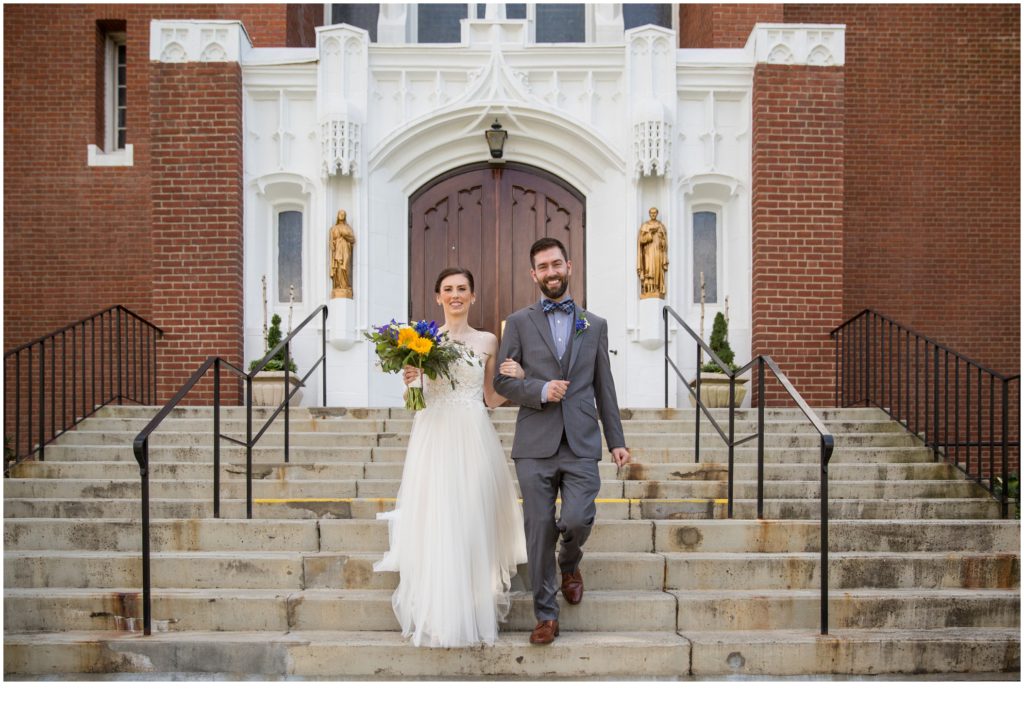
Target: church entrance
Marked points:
485	217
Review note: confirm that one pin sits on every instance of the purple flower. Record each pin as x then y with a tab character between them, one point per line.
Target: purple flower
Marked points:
582	323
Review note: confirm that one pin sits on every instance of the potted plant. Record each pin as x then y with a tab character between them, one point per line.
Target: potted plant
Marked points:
268	384
714	384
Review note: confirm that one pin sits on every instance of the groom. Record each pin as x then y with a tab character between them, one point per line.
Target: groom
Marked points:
568	384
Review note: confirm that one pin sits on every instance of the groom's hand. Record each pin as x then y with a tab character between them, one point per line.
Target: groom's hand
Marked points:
621	456
557	390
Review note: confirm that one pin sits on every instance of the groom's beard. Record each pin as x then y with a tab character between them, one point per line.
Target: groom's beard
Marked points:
563	285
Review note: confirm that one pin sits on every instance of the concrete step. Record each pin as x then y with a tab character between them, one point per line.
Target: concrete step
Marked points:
853	651
844	535
690	572
773	609
347	654
614	508
324	438
365	535
357	535
54	609
641	454
276	570
501	413
333	470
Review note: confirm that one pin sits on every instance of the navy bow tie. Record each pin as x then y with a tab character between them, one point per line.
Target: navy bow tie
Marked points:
568	306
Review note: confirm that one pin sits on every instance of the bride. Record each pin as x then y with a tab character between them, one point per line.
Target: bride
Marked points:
456	533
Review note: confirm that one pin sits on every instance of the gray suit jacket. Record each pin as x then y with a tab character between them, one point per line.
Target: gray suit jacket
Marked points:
591	394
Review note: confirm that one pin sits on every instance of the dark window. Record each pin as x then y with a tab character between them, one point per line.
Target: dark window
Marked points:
439	23
359	15
515	10
122	95
705	256
561	23
640	14
289	255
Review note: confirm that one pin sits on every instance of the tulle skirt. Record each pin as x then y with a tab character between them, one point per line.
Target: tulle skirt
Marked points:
456	534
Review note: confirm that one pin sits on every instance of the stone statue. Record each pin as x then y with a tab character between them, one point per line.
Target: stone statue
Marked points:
652	257
343	239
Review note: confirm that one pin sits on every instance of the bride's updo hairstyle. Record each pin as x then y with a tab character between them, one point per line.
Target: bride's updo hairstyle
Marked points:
448	272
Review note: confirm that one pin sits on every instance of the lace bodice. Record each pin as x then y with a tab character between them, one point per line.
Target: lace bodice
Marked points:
469	384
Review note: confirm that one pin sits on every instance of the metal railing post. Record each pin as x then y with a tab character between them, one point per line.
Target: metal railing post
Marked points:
732	439
120	392
323	349
935	400
287	398
248	446
147	589
664	323
1005	499
760	438
823	546
216	438
42	400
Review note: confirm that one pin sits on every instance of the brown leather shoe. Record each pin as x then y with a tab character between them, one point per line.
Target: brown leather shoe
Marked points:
544	633
572	587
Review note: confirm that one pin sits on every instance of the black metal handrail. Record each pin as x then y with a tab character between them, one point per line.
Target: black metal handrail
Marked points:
140	445
826	445
883	363
107	357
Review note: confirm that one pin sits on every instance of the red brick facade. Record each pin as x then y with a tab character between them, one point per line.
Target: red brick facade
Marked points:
77	238
196	127
723	26
797	212
932	179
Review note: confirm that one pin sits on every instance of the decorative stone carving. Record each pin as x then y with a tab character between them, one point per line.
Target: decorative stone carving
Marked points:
341	97
652	141
343	241
651	70
652	257
794	45
183	41
340	140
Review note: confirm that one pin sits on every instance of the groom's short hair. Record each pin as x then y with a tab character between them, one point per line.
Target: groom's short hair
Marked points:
544	244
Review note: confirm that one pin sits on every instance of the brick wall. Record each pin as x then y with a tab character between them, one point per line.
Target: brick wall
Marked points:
798	224
932	176
197	221
722	26
302	23
78	239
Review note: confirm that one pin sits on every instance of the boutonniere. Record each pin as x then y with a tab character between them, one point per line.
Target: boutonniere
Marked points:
582	324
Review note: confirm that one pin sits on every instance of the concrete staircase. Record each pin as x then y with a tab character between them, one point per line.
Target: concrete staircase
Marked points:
924	577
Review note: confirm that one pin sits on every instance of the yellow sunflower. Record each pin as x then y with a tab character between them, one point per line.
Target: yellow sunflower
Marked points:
406	335
421	345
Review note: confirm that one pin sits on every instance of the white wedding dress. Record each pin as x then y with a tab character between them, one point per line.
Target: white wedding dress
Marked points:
456	533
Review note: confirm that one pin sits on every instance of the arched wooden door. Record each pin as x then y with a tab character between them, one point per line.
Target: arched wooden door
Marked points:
485	218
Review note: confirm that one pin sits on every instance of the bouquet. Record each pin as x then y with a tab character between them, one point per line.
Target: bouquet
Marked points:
419	344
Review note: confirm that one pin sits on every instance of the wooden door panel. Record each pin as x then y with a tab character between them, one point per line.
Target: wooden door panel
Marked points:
486	218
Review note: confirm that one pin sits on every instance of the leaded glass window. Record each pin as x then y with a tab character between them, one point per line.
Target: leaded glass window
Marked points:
705	256
289	255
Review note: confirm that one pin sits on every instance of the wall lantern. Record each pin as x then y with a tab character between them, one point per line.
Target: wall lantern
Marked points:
496	139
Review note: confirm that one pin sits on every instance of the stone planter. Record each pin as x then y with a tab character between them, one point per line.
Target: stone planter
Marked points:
714	390
268	388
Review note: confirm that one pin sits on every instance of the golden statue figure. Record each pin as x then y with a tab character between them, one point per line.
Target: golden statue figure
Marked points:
652	257
343	239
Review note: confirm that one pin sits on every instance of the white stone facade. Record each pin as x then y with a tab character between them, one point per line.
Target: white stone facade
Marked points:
631	124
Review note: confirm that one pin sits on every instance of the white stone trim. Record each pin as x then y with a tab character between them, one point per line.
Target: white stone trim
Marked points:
798	44
200	41
124	157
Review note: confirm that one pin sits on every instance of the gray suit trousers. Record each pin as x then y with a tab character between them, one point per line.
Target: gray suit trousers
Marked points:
540	479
